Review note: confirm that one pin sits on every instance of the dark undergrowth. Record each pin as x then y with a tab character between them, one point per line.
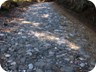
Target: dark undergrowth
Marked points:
83	10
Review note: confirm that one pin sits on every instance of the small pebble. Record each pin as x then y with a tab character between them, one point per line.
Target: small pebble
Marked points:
7	55
71	35
67	59
30	66
24	71
39	70
24	37
1	34
29	53
82	64
13	63
19	33
81	58
51	53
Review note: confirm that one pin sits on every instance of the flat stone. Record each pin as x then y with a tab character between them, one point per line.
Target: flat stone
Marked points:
67	59
29	53
24	37
24	71
51	53
13	63
2	34
81	58
19	33
40	64
7	55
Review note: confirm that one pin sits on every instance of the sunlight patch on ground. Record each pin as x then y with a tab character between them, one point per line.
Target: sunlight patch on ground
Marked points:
26	22
7	30
45	15
45	36
32	23
72	45
35	24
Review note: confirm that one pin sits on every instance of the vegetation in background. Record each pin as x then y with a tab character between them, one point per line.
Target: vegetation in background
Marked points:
14	3
84	8
76	5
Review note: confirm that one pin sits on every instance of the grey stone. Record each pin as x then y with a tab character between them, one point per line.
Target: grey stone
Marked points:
39	70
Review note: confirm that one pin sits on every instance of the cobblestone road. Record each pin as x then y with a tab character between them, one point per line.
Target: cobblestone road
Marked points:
43	40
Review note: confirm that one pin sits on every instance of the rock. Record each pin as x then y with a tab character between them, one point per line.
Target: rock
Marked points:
30	66
24	37
71	35
7	55
39	70
13	63
40	64
51	53
24	71
59	56
23	60
9	61
82	64
67	59
19	33
36	49
29	52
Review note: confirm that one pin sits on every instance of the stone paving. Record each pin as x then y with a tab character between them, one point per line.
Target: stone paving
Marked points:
43	40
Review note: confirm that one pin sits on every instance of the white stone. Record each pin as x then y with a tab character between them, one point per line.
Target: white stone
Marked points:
7	55
29	53
30	66
24	71
51	53
24	37
82	64
81	58
19	33
67	59
13	63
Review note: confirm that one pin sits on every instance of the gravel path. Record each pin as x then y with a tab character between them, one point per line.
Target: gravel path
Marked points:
43	40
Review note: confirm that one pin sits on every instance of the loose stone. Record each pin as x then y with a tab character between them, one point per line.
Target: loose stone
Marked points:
30	66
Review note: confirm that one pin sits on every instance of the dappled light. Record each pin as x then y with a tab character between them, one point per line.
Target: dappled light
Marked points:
45	15
32	23
26	22
42	35
6	30
45	36
39	37
72	45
